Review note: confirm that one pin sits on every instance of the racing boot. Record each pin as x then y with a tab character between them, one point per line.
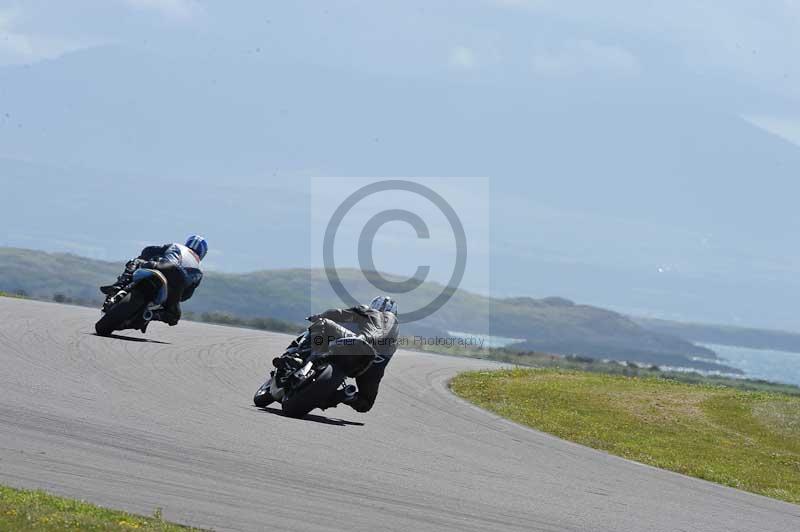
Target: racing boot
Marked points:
345	395
111	289
124	278
170	318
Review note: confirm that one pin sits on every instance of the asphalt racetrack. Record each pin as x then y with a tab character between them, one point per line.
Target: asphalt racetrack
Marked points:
165	420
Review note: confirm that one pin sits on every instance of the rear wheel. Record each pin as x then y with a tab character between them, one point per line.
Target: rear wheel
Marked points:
313	394
112	320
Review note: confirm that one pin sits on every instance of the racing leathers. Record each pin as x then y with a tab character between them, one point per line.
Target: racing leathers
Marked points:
379	329
179	265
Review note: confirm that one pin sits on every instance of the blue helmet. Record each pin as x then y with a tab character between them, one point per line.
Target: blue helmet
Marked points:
197	244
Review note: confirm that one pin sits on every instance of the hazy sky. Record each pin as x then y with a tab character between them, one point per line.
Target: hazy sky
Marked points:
740	51
641	155
750	43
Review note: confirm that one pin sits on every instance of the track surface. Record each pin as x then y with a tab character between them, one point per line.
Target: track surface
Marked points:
137	425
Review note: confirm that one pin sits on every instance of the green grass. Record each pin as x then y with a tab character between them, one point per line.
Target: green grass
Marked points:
23	511
544	360
16	296
744	439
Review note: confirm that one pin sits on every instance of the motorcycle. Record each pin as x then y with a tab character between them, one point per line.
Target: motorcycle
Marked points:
299	391
135	304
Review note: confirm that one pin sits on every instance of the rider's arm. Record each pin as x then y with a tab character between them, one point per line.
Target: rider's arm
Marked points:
391	325
382	335
151	252
149	257
392	328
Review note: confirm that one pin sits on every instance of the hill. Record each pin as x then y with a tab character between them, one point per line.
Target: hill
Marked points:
554	325
710	333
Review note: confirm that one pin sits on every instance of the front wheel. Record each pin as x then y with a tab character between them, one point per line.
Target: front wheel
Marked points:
313	394
123	311
263	396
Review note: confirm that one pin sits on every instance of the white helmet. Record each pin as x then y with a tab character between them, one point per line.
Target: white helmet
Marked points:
384	304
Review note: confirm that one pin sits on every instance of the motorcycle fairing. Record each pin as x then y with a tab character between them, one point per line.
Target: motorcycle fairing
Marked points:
144	273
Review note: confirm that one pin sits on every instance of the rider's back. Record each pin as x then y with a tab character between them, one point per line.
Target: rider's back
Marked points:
183	257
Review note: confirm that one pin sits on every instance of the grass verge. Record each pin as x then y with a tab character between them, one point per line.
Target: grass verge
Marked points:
15	296
611	367
24	511
744	439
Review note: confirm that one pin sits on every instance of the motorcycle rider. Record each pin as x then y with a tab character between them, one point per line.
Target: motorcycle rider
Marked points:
377	324
180	264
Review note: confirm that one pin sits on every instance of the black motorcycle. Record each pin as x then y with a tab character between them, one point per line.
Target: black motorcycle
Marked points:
135	304
301	390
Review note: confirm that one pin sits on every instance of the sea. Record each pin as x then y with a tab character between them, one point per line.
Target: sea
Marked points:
767	364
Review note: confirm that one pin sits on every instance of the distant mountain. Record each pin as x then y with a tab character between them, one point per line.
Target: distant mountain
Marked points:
645	197
553	324
710	333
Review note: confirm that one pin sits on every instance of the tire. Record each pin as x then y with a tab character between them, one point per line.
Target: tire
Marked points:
314	394
264	399
118	314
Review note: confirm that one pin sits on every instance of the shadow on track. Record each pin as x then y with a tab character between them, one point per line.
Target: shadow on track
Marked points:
315	418
130	338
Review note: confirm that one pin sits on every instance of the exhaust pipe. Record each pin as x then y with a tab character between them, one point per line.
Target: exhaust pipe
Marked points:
148	315
349	392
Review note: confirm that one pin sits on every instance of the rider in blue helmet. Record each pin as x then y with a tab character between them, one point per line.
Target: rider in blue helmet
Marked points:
180	264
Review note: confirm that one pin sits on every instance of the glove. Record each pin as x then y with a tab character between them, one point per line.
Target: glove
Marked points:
132	265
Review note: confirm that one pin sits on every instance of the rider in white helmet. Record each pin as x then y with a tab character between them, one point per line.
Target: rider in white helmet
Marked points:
377	324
